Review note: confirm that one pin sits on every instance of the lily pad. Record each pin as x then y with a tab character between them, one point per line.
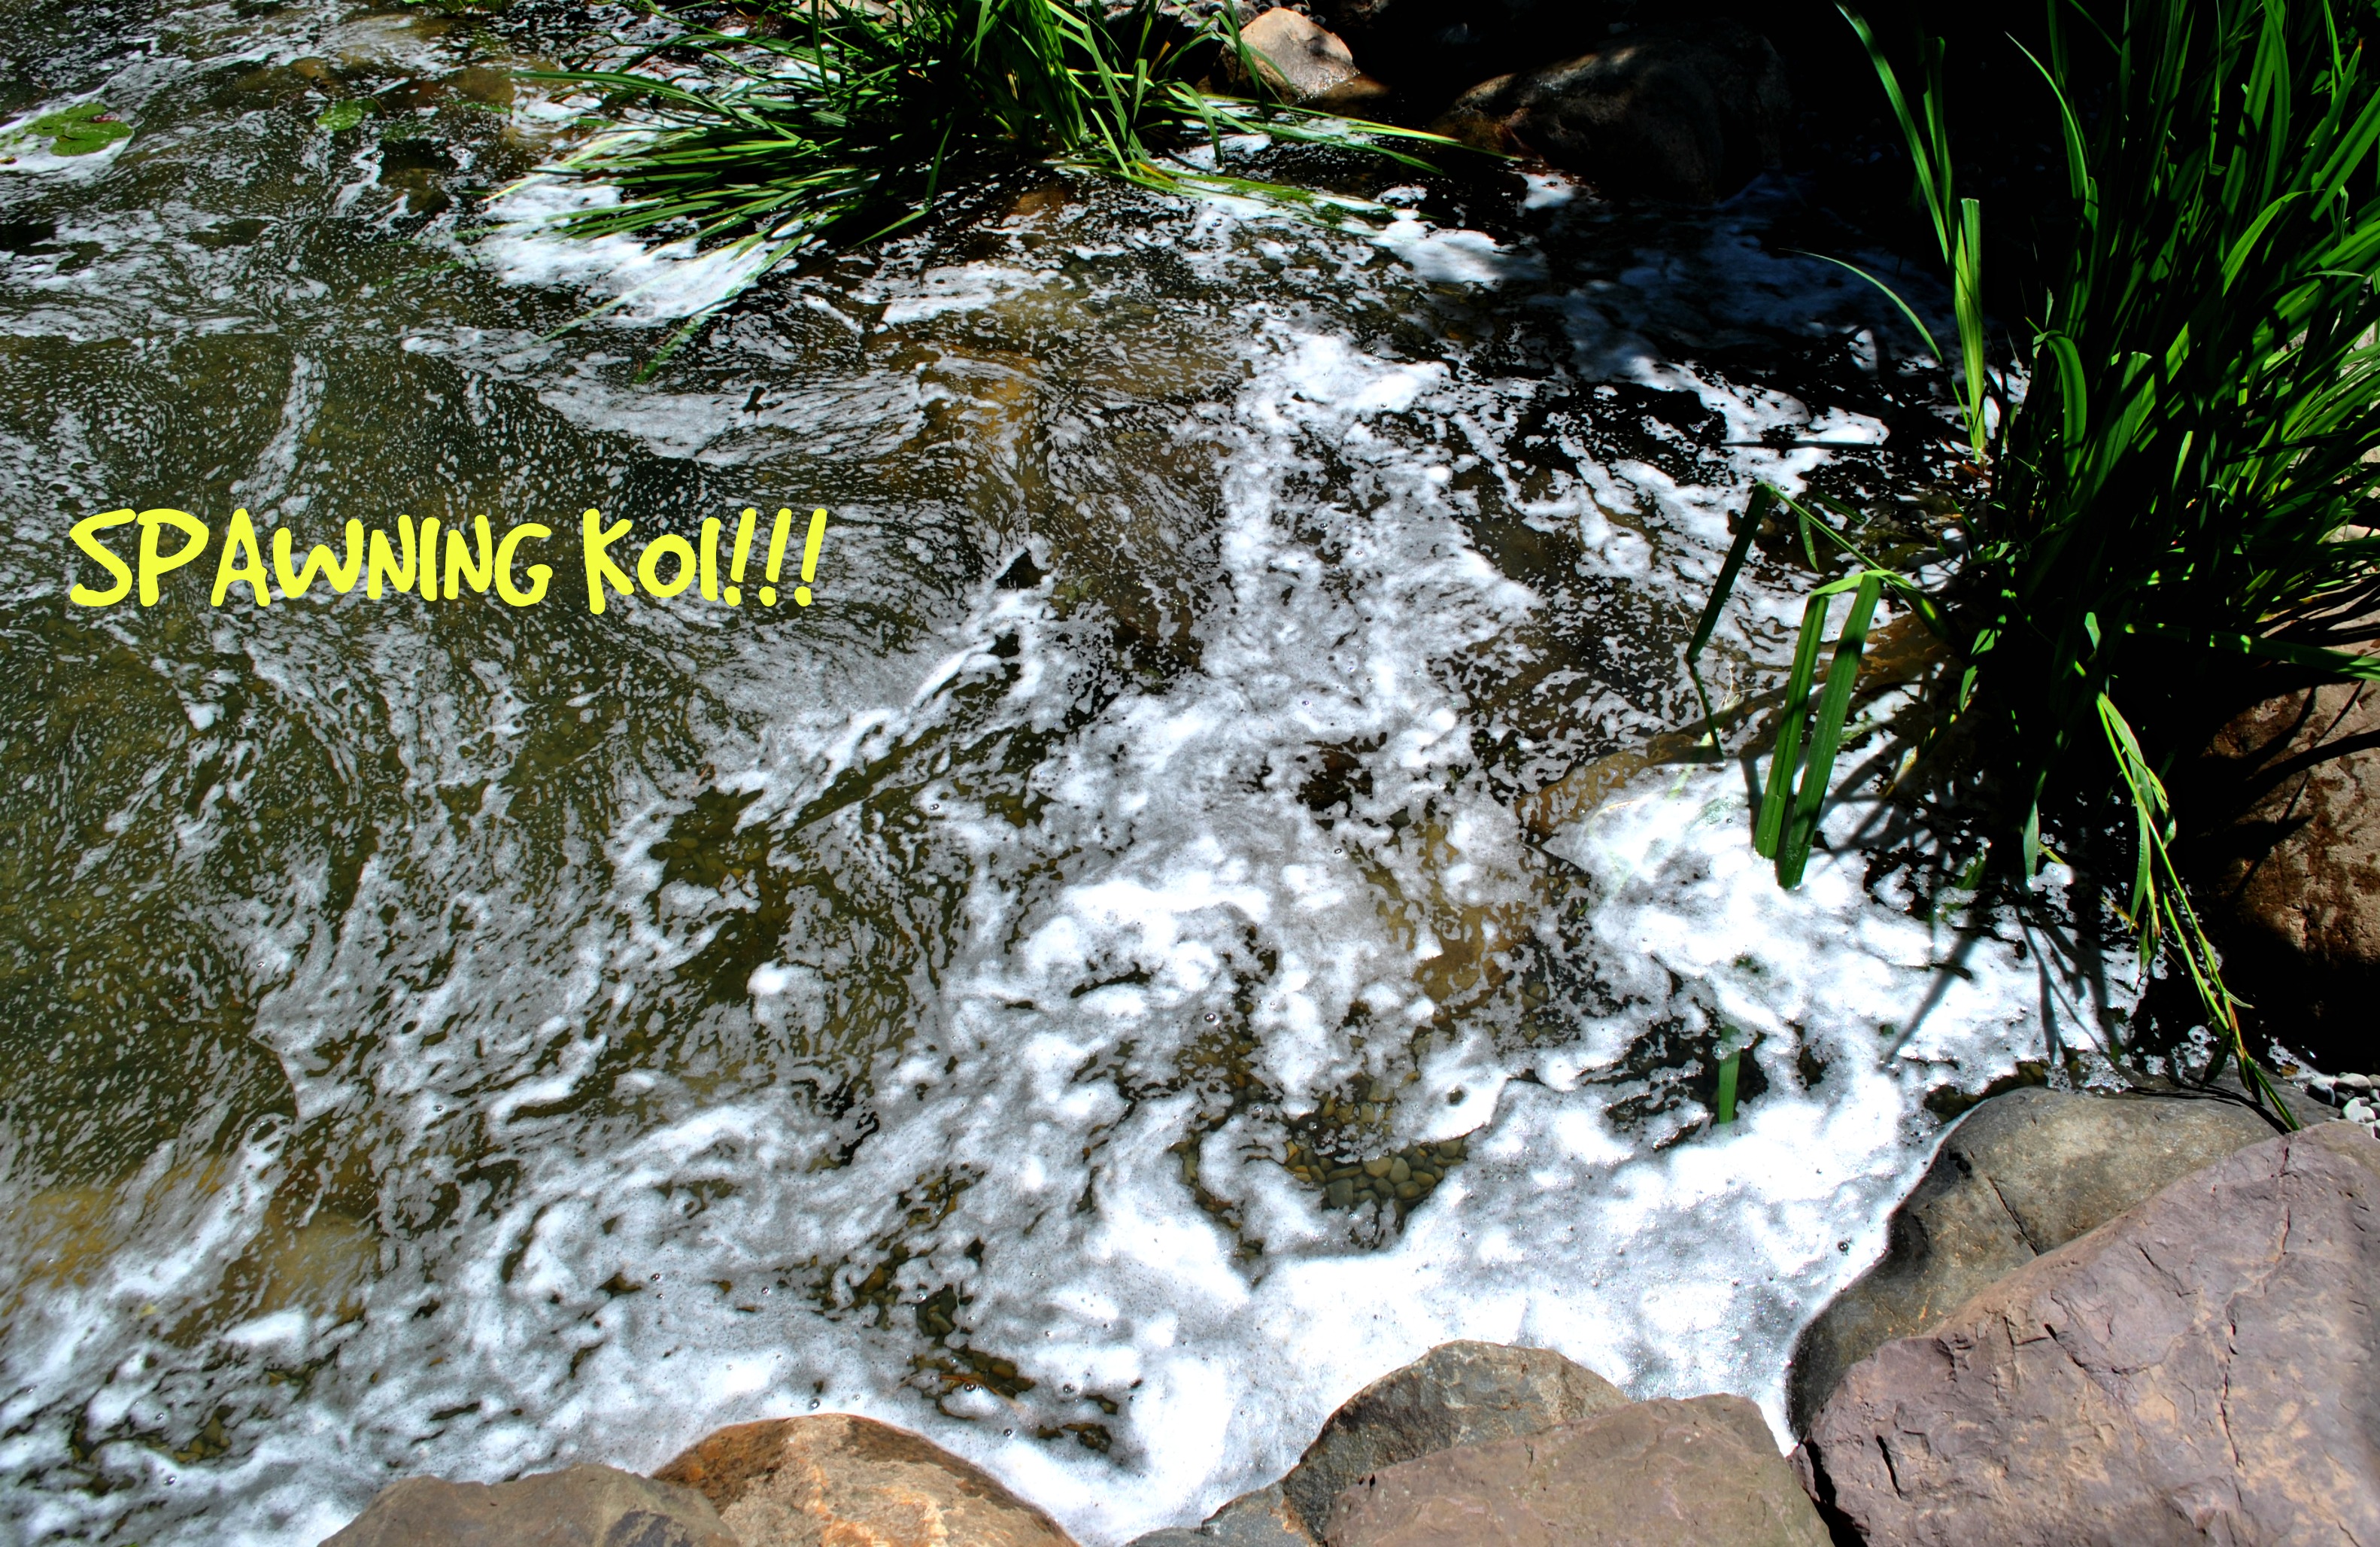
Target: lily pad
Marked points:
343	116
81	130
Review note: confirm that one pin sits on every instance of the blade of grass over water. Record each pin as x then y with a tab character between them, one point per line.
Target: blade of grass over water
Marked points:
829	124
2184	479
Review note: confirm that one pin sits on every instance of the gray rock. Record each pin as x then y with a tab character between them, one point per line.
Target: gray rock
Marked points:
2021	1174
582	1506
2201	1368
1703	1472
1667	115
1263	1518
1458	1393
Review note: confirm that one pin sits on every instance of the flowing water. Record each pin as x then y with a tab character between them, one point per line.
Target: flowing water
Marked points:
1121	969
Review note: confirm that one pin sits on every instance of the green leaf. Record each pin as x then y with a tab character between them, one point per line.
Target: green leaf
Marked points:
341	117
81	130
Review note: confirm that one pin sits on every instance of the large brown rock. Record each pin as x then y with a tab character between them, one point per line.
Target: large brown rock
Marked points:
2021	1174
1302	64
2292	879
1458	1393
1703	1472
1668	115
2201	1368
582	1506
836	1481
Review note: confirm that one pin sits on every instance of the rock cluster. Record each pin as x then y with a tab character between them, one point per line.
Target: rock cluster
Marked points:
2126	1320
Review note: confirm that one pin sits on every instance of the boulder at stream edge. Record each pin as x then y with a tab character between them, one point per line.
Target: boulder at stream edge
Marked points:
2291	883
1458	1393
1302	64
1685	114
580	1507
2021	1174
2201	1368
849	1481
1702	1473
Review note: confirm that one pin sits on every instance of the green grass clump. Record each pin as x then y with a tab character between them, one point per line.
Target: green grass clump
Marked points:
834	123
2182	479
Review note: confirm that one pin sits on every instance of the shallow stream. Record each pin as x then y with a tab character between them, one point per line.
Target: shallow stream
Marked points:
1121	970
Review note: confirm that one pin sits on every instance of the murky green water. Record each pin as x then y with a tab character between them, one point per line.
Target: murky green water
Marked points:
450	1037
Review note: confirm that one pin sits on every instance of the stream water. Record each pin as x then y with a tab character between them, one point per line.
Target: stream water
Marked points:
443	1037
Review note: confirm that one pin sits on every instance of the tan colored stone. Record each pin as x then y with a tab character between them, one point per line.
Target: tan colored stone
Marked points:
837	1481
1703	1472
1458	1393
580	1507
1303	63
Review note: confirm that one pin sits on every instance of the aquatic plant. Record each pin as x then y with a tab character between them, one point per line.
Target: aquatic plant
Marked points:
2179	480
833	122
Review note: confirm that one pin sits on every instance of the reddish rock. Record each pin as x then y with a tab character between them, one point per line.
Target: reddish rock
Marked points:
2021	1174
1703	1472
2200	1369
836	1481
2292	881
1458	1393
583	1506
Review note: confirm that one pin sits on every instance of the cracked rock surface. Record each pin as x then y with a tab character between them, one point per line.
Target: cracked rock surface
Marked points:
2021	1175
2200	1369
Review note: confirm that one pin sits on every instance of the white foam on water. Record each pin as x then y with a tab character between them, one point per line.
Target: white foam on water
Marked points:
640	284
1028	1144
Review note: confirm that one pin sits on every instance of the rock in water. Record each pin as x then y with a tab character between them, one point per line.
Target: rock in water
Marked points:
583	1506
1303	64
1703	1472
1458	1393
2201	1368
1668	115
2023	1174
836	1481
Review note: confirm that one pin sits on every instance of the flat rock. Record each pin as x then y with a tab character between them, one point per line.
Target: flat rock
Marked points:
837	1481
2200	1369
1664	1473
581	1506
1458	1393
1685	114
1303	64
2020	1174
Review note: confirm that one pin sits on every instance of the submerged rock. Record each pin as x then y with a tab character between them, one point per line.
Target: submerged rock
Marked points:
1703	1472
1458	1393
2201	1368
853	1482
1667	115
582	1506
1303	64
2021	1175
